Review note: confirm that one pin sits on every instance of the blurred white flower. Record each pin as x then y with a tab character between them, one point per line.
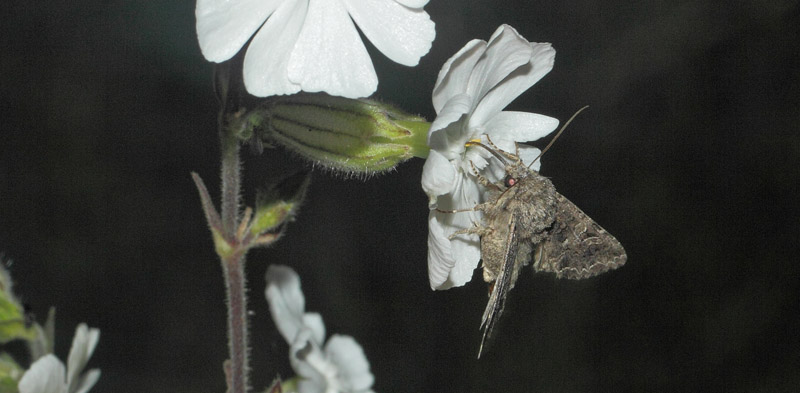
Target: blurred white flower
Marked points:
313	45
470	93
336	366
47	374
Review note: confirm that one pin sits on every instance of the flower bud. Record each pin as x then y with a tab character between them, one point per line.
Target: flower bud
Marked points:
14	323
279	202
358	137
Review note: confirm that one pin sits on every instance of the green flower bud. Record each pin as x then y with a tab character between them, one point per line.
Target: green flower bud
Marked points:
279	202
355	136
10	373
13	324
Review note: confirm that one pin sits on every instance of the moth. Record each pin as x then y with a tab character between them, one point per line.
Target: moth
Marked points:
526	220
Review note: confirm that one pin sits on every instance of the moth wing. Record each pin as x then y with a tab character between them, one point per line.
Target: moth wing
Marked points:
502	284
577	247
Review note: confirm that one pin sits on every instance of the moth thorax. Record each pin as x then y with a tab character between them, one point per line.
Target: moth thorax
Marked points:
517	172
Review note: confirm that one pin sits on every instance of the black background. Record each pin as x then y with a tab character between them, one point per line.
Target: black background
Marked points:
689	155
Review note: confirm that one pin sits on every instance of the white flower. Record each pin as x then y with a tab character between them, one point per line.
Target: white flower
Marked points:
470	93
336	366
47	374
313	45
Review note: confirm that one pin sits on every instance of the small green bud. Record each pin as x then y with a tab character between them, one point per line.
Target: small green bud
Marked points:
10	374
13	324
221	245
279	202
290	385
356	136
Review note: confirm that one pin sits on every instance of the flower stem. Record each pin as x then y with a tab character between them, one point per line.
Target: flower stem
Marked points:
233	264
231	183
233	269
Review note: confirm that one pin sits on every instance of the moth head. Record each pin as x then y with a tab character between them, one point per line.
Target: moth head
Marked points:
516	172
510	181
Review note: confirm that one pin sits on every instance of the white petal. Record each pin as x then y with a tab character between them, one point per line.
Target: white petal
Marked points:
266	63
349	358
224	26
447	133
46	375
451	262
313	386
505	53
475	156
83	345
413	3
309	362
313	322
329	55
528	154
467	255
440	256
286	301
401	33
540	63
465	248
482	158
87	381
438	176
519	126
454	76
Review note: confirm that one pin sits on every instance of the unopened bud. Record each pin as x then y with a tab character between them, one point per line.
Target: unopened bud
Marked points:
355	136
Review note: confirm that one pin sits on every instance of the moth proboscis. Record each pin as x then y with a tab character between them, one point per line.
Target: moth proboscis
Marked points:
525	218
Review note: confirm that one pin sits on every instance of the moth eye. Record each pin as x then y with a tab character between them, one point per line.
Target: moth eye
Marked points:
509	181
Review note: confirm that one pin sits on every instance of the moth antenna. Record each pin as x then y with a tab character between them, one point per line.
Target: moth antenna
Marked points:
490	150
564	127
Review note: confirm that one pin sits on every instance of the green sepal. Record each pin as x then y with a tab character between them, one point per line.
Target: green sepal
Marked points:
290	385
357	136
221	245
10	374
278	203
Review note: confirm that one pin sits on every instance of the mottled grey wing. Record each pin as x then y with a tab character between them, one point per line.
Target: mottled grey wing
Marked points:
577	247
502	284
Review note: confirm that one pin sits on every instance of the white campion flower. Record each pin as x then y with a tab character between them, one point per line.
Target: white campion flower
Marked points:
313	45
470	93
336	366
47	374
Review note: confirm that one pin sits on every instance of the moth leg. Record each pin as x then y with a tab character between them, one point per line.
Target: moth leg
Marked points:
457	210
492	144
478	207
513	157
476	230
482	179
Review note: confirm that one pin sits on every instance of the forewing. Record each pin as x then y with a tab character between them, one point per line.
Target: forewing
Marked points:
577	247
502	284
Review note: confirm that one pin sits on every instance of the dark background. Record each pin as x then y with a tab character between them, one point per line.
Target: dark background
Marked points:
689	155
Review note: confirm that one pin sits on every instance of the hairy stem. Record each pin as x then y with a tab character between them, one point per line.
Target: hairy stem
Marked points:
231	184
233	264
233	269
